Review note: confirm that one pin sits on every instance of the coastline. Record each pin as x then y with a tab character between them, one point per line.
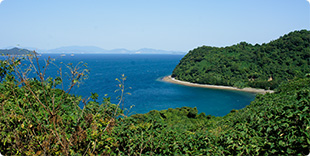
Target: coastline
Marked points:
185	83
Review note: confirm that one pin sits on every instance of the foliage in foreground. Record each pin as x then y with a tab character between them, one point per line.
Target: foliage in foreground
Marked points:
39	119
36	119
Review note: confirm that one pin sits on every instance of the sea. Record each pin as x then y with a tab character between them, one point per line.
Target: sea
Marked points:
147	91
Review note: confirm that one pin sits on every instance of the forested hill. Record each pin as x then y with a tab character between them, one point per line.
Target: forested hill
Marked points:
15	51
245	65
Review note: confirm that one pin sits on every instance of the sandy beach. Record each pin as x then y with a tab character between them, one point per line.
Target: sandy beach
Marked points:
252	90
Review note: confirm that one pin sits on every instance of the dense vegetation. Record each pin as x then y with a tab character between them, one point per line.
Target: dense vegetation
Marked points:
15	51
36	118
245	65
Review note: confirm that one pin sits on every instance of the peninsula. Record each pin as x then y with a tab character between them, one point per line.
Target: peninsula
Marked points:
244	65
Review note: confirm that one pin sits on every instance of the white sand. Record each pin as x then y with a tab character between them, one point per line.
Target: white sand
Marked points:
252	90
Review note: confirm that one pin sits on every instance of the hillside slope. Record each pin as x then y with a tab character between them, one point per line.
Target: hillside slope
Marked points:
245	65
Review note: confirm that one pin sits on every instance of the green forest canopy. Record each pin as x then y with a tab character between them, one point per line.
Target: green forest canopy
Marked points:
245	65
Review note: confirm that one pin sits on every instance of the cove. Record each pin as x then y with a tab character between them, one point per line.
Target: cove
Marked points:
148	92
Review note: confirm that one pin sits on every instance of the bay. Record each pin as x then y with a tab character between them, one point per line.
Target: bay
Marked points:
148	92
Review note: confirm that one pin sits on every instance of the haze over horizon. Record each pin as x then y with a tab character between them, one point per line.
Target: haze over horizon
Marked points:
166	25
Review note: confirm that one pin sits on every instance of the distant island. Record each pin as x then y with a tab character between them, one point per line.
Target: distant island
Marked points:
243	65
15	51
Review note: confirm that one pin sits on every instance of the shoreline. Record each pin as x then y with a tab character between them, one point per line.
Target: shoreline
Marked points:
185	83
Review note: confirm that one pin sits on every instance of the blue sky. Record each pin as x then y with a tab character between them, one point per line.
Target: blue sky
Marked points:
179	25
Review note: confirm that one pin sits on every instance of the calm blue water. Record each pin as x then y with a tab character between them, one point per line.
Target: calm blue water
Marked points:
148	92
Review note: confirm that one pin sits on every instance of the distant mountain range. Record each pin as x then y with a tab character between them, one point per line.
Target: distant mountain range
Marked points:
98	50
